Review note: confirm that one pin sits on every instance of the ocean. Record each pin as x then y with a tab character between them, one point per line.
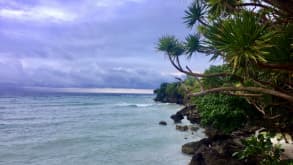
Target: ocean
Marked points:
89	129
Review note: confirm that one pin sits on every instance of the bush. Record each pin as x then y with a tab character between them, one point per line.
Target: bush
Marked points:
169	92
262	148
222	112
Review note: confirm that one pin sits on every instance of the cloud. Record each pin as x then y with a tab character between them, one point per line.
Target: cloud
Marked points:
114	3
11	72
83	73
38	14
60	43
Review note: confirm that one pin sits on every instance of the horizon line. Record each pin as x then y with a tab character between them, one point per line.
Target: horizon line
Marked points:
92	90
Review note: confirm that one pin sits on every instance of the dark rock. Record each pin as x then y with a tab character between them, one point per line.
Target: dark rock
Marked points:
190	112
213	151
226	147
190	148
212	157
195	147
197	160
177	117
193	128
193	117
163	123
182	128
215	134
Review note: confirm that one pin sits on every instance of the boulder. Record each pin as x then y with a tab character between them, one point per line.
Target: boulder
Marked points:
162	123
197	159
193	117
182	127
208	156
213	151
216	134
190	112
192	148
177	117
193	128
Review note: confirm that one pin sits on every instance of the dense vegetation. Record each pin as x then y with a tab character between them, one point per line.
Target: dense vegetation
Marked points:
169	92
175	92
215	109
262	147
219	110
255	41
222	112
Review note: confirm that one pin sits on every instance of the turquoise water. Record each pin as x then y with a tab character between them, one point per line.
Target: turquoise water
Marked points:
89	130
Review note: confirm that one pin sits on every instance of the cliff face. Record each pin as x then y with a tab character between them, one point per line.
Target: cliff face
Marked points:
170	100
169	93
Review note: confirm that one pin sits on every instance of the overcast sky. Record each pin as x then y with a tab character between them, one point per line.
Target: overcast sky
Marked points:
89	43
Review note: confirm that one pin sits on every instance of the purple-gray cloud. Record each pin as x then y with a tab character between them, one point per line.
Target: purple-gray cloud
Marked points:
88	43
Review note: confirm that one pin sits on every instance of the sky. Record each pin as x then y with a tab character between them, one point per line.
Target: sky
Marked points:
89	43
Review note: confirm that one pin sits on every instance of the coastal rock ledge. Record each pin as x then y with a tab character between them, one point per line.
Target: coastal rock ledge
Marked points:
212	151
218	148
190	112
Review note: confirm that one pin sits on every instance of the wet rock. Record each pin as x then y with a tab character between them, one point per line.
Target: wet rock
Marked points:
193	128
190	148
195	147
213	158
190	112
215	134
213	151
182	127
197	160
177	117
162	123
193	117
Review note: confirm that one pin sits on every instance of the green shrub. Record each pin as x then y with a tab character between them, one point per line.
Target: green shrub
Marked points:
262	148
169	92
222	112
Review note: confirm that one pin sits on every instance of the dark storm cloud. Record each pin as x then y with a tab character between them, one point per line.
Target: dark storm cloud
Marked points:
90	43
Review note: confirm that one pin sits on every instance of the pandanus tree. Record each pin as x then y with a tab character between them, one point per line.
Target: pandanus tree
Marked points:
255	41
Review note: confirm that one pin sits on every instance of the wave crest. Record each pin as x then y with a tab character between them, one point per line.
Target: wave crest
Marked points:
133	105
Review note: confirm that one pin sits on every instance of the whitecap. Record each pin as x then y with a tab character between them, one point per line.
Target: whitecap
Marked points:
133	105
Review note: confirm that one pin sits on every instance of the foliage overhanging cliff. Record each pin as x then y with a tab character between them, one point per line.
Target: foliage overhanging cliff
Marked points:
255	41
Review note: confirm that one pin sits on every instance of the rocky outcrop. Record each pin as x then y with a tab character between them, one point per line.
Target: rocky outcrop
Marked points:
193	148
182	127
213	158
177	117
170	100
189	111
162	123
212	152
217	148
193	128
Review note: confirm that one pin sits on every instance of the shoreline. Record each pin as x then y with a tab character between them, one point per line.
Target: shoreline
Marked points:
218	147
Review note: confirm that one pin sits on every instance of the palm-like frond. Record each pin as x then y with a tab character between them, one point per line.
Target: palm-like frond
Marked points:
219	8
195	12
242	40
192	44
282	52
170	45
